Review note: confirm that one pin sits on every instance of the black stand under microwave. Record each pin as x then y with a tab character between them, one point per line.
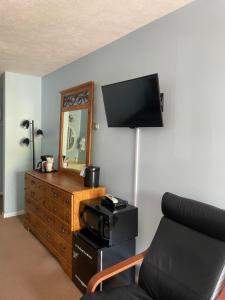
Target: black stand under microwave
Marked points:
107	237
90	258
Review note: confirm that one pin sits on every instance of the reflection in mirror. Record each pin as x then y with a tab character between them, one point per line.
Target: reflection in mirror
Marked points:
76	127
75	130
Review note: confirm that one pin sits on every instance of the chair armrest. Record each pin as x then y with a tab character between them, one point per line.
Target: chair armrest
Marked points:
114	270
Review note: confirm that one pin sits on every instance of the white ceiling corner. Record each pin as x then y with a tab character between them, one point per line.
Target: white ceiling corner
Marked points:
40	36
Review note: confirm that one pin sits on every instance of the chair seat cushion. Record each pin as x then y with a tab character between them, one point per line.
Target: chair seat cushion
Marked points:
131	292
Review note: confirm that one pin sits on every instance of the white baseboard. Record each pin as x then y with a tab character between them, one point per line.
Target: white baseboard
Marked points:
13	214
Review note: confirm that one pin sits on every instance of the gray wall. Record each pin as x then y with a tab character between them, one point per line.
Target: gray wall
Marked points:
187	156
22	101
1	131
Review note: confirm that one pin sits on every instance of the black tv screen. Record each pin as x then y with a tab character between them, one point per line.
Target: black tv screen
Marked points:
133	103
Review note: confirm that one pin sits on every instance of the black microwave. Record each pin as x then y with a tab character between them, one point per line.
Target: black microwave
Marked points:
107	226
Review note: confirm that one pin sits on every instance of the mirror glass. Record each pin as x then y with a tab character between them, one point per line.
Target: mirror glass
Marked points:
75	129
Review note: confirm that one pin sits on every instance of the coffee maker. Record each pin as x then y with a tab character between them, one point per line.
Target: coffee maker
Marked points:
46	164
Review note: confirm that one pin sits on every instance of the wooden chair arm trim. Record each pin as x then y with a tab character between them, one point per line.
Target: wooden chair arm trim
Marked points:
114	270
222	294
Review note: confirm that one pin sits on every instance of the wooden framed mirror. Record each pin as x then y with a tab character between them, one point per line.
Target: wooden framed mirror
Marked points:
76	127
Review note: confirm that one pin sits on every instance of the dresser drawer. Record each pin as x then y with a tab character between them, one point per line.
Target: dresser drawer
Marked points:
34	189
31	193
53	241
40	191
63	230
33	207
48	218
47	203
33	222
60	197
65	264
63	248
61	212
49	236
30	181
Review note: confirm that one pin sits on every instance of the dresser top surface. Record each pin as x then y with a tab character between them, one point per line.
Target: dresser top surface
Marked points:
64	181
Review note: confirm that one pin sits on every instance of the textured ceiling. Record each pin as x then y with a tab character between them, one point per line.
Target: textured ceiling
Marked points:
40	36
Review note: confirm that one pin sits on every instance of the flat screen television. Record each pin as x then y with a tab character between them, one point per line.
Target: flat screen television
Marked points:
133	103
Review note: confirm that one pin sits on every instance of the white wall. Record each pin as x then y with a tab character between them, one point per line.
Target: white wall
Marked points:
1	131
187	156
22	101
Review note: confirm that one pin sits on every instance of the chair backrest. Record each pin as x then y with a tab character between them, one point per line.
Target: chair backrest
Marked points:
186	259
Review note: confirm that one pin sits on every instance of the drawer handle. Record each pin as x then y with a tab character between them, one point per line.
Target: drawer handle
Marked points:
55	209
62	247
48	235
32	182
56	195
63	230
48	219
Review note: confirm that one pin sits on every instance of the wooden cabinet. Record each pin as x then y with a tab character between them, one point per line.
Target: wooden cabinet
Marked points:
52	210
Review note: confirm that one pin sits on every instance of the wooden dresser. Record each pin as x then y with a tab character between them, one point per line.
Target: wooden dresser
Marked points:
52	211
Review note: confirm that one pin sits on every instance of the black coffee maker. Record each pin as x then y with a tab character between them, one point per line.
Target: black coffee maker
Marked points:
41	164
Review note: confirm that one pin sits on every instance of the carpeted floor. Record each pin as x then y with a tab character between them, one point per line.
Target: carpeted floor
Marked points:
27	270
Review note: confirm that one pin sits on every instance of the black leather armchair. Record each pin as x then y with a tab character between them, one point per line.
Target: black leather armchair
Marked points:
185	261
